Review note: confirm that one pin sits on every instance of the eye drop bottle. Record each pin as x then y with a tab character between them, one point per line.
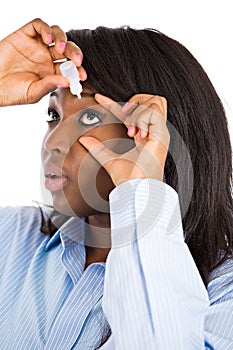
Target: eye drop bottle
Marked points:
69	71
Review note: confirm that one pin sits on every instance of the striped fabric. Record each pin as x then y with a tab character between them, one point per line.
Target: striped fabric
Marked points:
152	295
47	301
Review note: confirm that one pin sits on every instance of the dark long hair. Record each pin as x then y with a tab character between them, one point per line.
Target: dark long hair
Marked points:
121	62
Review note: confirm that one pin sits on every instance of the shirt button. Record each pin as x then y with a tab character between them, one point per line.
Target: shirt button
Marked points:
84	298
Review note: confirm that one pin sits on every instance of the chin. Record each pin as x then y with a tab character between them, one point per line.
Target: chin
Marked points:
77	206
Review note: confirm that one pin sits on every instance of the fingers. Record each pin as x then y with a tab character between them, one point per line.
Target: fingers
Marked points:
38	27
141	109
143	114
49	34
40	88
73	52
97	149
59	38
111	105
56	39
62	49
159	102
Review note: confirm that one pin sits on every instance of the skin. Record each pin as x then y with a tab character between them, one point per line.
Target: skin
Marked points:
28	66
69	116
82	195
29	71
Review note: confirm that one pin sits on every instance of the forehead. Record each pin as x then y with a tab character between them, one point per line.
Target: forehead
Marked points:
64	98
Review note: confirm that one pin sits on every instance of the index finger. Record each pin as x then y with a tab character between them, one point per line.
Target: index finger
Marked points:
149	101
112	106
37	26
56	38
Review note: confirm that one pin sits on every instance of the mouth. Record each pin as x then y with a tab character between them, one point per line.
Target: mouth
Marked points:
55	180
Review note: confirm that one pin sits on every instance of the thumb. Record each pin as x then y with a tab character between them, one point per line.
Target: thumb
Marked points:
40	88
99	151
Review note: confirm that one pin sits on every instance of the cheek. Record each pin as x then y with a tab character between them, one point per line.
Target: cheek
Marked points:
120	145
42	151
115	137
90	184
89	187
91	179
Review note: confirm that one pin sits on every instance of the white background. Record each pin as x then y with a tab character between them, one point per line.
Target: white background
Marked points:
205	27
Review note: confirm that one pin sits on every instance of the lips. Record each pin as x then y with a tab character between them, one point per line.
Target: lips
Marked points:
55	180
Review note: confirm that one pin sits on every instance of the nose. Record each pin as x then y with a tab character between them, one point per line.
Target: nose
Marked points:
62	137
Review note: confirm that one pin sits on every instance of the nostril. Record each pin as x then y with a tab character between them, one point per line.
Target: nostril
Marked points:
50	146
57	147
57	150
59	140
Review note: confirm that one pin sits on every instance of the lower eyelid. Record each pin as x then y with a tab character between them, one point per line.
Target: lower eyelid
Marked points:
91	124
94	114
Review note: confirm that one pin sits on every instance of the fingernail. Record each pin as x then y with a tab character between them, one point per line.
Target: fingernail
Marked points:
50	38
142	134
82	140
80	59
62	45
83	74
62	86
124	107
130	129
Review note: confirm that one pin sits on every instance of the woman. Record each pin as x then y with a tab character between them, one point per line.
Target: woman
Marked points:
115	189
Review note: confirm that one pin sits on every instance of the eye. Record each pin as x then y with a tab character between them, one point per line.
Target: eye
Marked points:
90	118
53	116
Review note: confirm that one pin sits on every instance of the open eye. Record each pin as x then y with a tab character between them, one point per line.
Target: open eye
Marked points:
53	116
90	118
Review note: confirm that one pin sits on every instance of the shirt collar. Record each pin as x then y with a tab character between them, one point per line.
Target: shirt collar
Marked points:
73	231
70	233
221	280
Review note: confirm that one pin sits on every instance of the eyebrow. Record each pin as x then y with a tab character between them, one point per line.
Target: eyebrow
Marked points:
88	94
83	94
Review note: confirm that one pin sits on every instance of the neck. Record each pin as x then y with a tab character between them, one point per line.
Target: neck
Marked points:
97	238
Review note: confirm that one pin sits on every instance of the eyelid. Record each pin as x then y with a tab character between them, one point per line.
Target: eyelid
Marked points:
50	109
90	111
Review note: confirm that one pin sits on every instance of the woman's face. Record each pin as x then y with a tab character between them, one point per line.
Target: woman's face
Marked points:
77	182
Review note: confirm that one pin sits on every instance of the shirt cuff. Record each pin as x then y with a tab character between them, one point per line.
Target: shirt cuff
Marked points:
145	204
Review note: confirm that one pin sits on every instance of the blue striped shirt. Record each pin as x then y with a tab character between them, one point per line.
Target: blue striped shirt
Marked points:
151	294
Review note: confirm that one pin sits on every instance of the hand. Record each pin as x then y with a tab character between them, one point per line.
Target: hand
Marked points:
27	69
145	117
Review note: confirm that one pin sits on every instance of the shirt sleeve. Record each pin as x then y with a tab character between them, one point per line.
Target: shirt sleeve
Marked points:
154	297
219	318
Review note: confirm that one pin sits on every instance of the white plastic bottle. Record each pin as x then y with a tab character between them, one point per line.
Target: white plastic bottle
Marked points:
69	71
